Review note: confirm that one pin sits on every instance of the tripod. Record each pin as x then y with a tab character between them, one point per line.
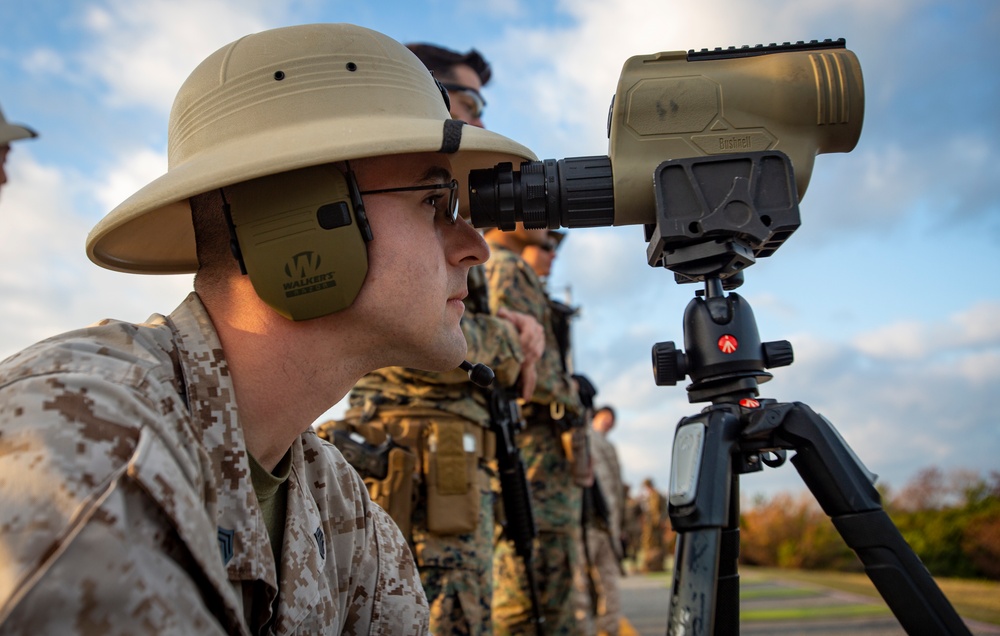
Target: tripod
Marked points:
714	217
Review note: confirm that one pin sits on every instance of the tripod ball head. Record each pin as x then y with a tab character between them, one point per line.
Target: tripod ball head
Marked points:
669	364
724	356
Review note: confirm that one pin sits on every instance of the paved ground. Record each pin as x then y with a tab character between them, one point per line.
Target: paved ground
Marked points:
645	600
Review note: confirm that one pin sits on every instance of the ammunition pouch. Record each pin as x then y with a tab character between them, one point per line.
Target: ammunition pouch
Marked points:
446	451
394	492
572	437
576	447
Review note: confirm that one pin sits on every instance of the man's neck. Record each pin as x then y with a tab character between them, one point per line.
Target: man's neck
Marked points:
281	387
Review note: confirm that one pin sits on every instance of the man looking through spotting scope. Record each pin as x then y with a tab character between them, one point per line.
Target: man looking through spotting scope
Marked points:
553	416
443	421
164	477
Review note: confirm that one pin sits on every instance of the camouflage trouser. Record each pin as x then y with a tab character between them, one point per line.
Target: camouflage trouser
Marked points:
553	562
457	572
583	591
604	574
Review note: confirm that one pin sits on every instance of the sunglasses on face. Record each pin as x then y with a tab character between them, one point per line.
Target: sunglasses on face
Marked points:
475	103
445	206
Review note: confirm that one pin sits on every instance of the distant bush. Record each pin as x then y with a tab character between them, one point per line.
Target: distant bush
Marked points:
951	521
791	531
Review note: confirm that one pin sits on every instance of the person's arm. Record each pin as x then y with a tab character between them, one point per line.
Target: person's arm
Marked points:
531	338
512	287
97	513
496	343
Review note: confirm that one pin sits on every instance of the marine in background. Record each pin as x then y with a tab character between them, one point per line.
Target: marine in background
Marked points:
553	446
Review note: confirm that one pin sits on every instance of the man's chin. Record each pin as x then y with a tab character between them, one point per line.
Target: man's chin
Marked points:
445	358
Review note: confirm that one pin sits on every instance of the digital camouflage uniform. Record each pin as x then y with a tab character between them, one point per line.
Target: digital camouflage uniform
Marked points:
604	536
416	408
555	498
126	504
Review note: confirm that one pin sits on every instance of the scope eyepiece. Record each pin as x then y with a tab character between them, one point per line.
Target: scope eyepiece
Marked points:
572	192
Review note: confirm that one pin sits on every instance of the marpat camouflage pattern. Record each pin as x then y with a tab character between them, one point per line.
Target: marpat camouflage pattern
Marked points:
126	505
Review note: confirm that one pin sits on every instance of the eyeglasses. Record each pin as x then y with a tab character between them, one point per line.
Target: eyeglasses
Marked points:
549	246
478	104
447	208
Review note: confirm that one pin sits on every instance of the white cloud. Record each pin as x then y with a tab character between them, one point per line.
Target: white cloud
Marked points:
144	51
973	328
899	413
44	61
47	284
572	71
602	263
131	174
494	10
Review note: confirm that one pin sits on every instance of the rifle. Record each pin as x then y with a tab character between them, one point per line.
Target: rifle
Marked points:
387	470
367	459
505	422
519	526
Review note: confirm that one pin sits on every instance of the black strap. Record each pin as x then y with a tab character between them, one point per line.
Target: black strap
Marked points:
451	138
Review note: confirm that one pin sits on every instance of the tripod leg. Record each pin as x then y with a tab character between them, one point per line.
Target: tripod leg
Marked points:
844	490
692	596
701	505
727	608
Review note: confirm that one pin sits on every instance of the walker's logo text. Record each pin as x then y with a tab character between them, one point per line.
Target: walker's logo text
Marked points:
306	275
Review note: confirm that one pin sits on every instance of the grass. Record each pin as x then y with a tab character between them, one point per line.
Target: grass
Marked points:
812	613
973	599
758	593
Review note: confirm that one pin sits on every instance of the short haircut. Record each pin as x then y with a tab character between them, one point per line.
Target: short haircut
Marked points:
440	61
614	416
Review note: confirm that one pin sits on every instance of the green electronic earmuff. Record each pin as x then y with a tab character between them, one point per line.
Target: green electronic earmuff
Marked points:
300	237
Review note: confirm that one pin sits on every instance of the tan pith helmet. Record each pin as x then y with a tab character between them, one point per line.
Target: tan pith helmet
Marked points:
277	101
12	132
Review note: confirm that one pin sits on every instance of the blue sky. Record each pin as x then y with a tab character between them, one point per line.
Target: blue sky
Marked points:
887	291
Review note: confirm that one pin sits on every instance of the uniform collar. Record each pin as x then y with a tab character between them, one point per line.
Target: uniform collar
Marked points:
212	404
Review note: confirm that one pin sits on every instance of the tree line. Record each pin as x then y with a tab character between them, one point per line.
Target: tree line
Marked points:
951	520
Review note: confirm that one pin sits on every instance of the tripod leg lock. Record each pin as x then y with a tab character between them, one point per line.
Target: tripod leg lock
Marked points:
685	465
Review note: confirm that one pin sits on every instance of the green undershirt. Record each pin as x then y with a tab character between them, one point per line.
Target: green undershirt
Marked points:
272	495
